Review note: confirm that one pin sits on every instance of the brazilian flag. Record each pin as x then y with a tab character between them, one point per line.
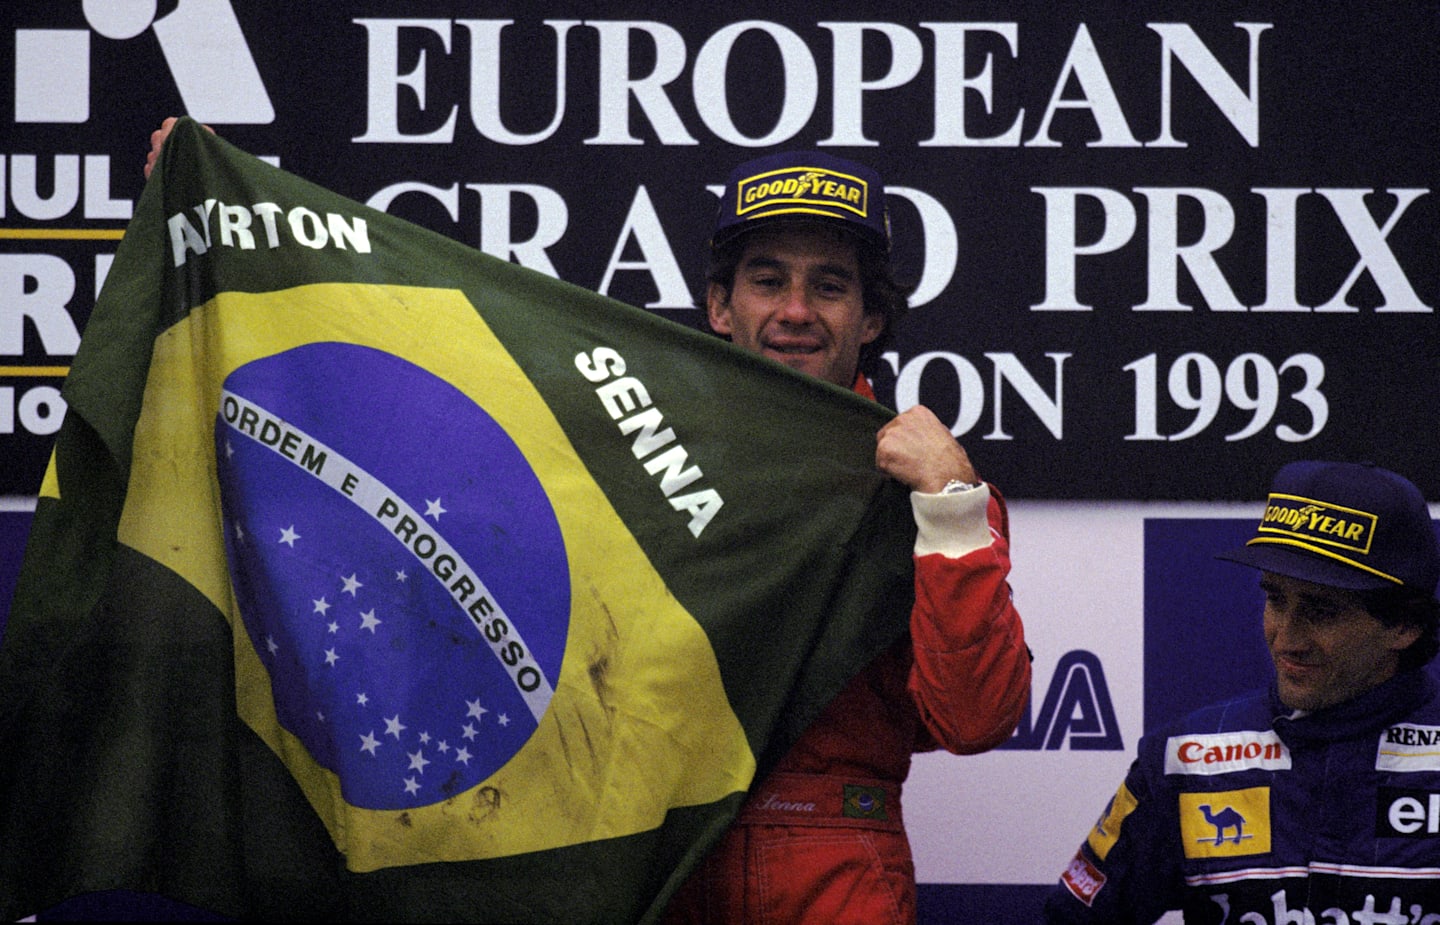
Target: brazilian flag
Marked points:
373	578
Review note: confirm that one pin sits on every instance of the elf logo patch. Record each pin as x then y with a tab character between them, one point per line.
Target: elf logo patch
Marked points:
1404	813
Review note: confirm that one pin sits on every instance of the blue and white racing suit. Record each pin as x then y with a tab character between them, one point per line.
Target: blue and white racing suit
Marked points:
1244	814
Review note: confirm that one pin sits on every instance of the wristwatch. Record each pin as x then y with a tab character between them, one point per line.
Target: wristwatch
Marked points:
955	487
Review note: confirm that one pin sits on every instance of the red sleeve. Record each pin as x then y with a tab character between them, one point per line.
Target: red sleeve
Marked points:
971	672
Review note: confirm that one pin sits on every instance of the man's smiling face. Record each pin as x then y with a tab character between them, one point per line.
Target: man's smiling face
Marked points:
797	298
1326	646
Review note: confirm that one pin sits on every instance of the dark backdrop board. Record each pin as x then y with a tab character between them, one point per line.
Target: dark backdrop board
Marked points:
1161	248
14	527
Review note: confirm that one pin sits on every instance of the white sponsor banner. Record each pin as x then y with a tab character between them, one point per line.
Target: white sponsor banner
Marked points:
1408	747
1225	753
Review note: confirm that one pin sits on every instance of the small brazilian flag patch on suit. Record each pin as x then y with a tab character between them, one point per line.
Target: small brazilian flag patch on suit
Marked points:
864	802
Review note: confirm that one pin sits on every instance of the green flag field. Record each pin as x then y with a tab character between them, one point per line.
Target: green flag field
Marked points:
375	578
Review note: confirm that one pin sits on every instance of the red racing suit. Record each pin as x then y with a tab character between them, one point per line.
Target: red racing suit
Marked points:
820	839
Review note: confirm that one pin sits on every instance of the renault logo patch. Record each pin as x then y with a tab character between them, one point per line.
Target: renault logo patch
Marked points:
1408	747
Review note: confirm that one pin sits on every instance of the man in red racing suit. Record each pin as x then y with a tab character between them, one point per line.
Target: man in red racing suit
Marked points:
821	838
800	272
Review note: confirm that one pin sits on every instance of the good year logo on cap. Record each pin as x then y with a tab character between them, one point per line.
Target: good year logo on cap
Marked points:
1311	521
814	187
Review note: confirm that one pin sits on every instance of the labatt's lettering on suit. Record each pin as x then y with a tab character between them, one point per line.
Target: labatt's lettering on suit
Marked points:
1241	814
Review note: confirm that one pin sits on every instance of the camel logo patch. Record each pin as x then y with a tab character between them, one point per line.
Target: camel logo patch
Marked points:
1225	824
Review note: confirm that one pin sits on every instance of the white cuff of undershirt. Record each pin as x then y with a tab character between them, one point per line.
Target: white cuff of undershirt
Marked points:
952	524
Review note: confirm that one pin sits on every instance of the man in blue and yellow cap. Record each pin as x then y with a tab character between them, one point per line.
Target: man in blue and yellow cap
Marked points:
832	208
1317	799
800	272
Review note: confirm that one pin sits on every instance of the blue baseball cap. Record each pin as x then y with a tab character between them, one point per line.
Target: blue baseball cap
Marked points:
804	185
1346	525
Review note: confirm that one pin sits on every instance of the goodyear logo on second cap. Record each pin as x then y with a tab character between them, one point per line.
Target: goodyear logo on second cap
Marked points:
1305	520
802	189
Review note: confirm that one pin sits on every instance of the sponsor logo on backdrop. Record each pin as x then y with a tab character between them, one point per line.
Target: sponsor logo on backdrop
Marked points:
42	291
203	47
1077	712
